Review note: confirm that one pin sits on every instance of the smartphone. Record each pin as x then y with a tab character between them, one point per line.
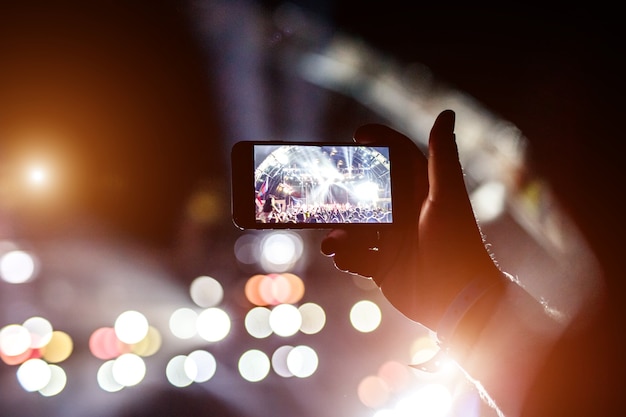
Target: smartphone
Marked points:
311	185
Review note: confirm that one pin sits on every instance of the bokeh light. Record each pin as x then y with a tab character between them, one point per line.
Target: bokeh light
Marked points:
131	327
17	359
365	316
141	340
17	267
489	200
373	391
313	318
128	369
59	348
391	380
15	339
34	346
206	291
58	380
302	361
105	378
251	290
248	249
285	320
267	289
176	372
104	344
183	323
254	365
149	345
280	251
287	288
204	206
204	364
279	361
213	324
34	374
40	331
257	322
273	289
397	376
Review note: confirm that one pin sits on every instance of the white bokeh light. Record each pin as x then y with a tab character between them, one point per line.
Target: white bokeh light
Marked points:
257	322
302	361
105	378
58	380
131	326
129	369
489	200
15	339
17	267
254	365
206	291
213	324
279	361
202	365
313	318
178	374
34	374
247	249
183	323
285	320
280	251
40	331
365	316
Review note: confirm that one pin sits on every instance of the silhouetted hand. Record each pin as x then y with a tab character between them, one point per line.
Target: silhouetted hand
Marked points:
435	247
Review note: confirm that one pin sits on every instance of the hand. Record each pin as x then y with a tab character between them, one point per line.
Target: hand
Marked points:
432	253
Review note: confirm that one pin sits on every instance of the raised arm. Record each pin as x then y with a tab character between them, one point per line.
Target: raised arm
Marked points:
434	267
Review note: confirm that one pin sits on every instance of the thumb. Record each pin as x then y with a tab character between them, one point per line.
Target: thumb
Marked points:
444	168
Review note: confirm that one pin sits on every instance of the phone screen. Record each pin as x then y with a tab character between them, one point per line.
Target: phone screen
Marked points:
306	185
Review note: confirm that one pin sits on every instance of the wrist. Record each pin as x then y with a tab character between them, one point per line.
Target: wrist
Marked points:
467	315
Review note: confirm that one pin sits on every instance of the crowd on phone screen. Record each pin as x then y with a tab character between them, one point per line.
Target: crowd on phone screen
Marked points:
325	213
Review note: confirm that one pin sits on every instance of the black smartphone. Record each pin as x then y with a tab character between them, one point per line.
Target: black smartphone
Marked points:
314	185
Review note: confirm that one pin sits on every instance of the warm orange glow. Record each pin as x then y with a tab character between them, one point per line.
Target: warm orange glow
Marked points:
397	376
274	289
252	290
373	391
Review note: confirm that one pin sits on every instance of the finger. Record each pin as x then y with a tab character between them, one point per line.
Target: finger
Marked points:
376	133
445	173
340	240
353	251
332	242
361	262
